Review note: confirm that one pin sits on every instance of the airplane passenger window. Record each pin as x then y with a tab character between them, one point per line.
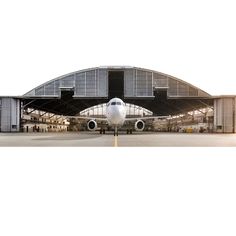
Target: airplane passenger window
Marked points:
118	103
113	103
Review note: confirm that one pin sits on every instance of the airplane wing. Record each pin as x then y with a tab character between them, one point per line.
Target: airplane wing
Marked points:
86	118
146	118
126	119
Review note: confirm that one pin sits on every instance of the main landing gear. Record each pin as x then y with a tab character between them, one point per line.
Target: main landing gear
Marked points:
129	131
102	131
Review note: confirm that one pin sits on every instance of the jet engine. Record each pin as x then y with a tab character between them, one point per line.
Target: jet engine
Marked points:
92	125
139	125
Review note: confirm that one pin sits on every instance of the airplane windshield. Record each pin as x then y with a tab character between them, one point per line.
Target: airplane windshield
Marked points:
116	103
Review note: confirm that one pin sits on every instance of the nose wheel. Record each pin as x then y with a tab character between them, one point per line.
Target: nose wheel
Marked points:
115	131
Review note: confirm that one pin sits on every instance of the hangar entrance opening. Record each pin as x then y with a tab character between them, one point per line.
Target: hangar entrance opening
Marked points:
116	84
67	94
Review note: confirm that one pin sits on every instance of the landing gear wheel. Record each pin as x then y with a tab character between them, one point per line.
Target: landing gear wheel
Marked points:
103	131
115	131
130	131
127	131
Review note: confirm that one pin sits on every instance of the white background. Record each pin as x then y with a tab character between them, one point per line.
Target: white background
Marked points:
124	191
157	191
192	40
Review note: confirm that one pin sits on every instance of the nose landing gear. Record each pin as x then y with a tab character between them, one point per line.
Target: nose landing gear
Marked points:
115	131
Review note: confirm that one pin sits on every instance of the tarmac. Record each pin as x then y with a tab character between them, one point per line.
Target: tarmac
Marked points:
137	139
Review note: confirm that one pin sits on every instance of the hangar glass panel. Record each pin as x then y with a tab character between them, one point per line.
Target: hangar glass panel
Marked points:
160	81
31	93
173	85
39	91
149	84
90	83
102	77
56	87
141	83
49	89
144	83
202	93
183	89
193	92
80	84
129	86
68	81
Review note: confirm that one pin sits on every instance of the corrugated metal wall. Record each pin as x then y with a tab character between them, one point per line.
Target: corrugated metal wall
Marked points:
0	113
10	115
224	115
218	122
234	115
228	115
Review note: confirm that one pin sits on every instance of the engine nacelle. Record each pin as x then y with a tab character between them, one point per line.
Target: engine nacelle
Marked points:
92	125
139	125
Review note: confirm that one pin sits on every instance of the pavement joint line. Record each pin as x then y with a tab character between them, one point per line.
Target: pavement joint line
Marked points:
116	141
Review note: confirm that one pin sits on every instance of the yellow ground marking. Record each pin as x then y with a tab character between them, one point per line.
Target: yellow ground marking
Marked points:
116	141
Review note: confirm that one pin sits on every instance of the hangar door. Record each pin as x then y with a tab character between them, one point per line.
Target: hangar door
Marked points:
138	83
116	84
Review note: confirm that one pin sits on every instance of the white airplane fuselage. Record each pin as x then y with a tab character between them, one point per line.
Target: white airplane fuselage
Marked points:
116	117
116	112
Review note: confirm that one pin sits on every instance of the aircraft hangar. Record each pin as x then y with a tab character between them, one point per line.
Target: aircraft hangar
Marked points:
68	95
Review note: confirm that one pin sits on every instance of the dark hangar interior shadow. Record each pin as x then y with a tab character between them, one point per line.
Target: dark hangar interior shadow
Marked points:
116	84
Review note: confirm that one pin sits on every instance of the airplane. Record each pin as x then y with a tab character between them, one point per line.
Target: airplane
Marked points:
116	117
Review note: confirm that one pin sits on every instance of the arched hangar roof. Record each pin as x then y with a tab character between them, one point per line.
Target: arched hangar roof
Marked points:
138	82
161	93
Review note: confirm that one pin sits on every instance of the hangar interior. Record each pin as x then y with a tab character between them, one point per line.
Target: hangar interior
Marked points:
43	109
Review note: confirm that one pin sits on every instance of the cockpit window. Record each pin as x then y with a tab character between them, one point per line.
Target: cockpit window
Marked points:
116	103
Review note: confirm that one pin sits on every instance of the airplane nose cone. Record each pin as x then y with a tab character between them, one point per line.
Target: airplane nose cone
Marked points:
116	116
